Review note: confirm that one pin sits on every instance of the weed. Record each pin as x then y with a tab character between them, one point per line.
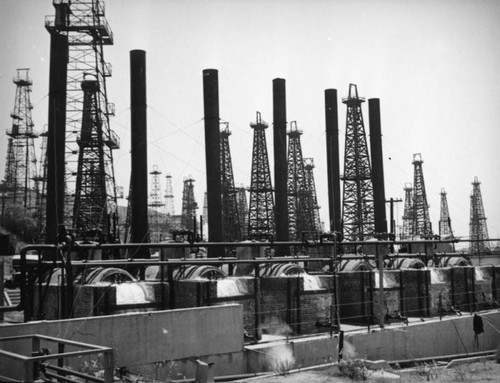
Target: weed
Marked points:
353	368
463	374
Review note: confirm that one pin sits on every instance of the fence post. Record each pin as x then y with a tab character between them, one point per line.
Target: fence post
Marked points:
109	366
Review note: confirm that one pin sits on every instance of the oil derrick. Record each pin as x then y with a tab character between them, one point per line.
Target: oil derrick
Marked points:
261	210
299	219
169	204
444	218
88	32
189	205
241	201
311	192
20	173
90	206
407	232
169	196
230	212
357	209
41	185
421	224
478	231
155	204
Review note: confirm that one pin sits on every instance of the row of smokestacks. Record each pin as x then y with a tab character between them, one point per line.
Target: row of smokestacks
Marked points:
138	186
212	139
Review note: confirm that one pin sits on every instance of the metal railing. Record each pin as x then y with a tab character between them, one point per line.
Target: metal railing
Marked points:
39	357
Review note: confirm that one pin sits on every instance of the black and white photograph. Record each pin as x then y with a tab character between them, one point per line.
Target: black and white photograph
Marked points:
249	190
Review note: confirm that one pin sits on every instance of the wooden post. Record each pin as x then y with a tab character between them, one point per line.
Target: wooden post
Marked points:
109	366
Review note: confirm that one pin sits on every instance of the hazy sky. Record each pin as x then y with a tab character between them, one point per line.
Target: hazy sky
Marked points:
435	65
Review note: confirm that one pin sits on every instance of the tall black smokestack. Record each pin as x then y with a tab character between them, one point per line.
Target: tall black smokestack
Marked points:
332	157
377	165
280	164
56	135
212	156
139	150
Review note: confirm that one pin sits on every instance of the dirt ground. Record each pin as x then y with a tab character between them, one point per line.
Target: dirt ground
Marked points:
480	372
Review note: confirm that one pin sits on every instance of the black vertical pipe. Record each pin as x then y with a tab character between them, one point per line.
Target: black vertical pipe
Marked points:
332	156
280	164
139	167
212	157
391	212
56	135
377	166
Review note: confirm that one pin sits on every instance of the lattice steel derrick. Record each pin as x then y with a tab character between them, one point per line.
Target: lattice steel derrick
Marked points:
445	230
241	200
156	204
21	166
230	212
261	209
169	196
311	190
407	232
478	231
299	219
89	209
357	209
189	205
41	185
421	225
88	32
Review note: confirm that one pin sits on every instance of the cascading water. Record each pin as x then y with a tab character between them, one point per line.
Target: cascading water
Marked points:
480	274
311	282
227	288
436	276
389	280
130	293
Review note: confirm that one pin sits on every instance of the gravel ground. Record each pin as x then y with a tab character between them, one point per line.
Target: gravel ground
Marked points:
480	372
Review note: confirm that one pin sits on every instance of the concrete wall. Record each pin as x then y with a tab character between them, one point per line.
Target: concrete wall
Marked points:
415	292
484	286
452	335
143	339
462	287
279	306
355	297
440	291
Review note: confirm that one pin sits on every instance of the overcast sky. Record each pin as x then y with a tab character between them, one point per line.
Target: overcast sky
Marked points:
435	65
